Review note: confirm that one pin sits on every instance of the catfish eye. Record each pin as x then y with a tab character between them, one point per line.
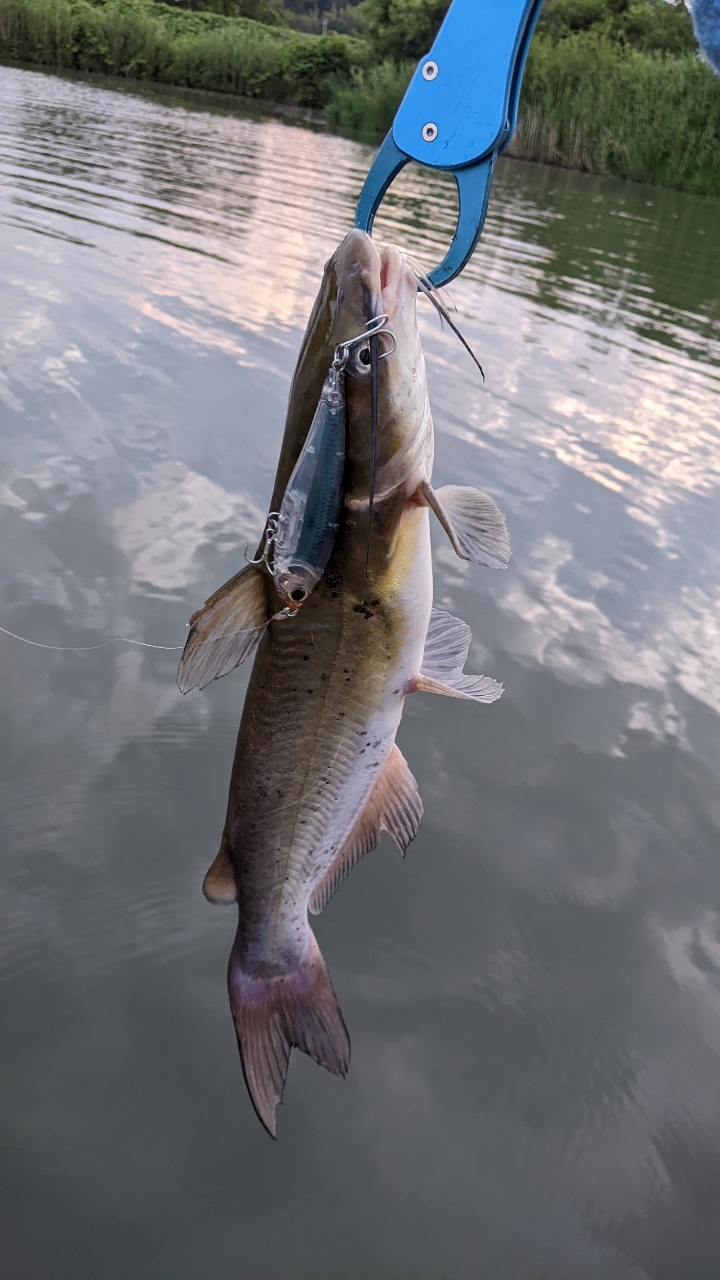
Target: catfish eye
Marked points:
299	594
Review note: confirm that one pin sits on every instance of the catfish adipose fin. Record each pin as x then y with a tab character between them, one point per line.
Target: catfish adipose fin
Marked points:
474	523
224	632
219	884
274	1014
446	650
393	805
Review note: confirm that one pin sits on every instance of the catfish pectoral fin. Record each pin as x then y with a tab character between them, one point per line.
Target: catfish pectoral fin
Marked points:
446	649
274	1015
226	630
393	805
472	521
219	884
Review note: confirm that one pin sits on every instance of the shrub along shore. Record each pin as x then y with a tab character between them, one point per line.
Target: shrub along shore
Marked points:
590	99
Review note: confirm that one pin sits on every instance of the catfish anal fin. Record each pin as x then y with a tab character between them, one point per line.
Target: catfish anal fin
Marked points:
472	521
226	630
393	805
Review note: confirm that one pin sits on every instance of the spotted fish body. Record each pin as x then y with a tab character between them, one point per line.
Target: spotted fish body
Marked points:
317	775
323	708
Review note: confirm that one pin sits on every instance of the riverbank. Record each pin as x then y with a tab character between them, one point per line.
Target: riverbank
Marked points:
587	103
146	41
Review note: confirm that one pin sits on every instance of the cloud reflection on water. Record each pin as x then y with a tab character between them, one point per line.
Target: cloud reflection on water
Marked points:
533	994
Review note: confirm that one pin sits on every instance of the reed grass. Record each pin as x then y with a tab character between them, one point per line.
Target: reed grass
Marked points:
647	117
368	101
147	41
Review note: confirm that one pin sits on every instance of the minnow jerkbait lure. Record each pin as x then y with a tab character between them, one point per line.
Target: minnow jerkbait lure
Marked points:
299	538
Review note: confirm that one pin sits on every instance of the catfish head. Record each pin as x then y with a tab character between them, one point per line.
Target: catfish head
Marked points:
362	360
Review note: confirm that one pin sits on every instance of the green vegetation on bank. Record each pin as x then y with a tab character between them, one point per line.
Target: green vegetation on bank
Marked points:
648	117
146	41
612	86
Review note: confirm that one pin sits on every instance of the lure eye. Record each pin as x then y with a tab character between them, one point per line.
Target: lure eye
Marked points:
359	361
295	583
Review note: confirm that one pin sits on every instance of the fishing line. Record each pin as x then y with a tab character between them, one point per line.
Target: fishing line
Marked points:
85	648
374	384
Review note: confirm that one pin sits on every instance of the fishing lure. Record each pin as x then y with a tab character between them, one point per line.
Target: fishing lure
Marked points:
299	538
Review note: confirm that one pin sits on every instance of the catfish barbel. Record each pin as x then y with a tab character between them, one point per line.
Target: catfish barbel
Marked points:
317	775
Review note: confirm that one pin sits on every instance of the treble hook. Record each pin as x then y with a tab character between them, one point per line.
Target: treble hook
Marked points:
378	325
266	541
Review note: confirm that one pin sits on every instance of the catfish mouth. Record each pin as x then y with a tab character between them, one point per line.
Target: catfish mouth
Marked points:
379	277
398	282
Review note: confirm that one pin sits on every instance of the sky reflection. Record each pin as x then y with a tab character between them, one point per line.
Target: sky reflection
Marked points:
533	993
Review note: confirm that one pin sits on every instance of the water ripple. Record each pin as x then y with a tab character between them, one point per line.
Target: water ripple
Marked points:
533	992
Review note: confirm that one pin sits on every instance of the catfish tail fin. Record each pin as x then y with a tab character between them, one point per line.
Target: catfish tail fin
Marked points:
297	1010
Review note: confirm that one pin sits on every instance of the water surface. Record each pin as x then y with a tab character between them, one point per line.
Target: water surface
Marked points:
534	995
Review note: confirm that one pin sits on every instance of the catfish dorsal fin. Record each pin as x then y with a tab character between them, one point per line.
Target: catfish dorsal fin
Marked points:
446	648
225	631
472	521
393	805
